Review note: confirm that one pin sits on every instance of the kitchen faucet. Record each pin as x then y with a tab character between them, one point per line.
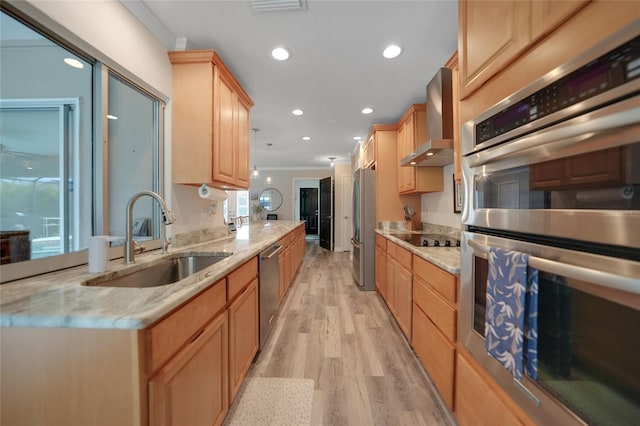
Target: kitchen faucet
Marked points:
167	218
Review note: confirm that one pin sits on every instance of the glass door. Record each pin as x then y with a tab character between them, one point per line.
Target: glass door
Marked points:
38	165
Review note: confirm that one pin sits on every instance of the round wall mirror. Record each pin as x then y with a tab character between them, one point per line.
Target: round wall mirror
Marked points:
270	199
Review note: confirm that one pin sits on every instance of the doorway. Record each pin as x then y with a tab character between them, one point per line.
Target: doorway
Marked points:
309	210
326	213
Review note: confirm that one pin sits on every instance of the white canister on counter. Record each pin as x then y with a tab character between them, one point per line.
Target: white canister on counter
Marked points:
98	253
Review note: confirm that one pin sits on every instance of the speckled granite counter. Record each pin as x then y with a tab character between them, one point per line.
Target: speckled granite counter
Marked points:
60	300
447	258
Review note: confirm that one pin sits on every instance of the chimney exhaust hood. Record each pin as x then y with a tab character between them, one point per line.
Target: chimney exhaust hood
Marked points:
438	149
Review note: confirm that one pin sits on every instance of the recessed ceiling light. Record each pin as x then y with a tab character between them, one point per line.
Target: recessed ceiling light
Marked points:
297	112
367	110
74	63
112	117
306	138
357	138
392	51
280	54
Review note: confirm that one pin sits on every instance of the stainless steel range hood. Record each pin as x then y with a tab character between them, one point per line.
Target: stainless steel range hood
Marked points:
438	149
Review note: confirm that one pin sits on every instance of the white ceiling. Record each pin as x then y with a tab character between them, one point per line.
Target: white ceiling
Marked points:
336	66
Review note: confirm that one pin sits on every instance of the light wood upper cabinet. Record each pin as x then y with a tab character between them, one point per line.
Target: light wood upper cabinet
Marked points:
369	154
192	388
546	15
491	35
412	131
210	135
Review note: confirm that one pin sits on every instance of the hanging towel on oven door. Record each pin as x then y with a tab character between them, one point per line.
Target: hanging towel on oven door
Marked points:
511	319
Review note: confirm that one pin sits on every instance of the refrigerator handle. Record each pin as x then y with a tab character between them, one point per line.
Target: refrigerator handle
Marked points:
353	243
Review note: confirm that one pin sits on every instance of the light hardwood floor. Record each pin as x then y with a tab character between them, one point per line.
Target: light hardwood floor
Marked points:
346	340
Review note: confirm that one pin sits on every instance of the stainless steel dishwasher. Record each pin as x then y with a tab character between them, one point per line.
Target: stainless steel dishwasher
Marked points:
269	289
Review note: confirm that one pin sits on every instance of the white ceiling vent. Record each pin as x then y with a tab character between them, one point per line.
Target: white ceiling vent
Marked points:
277	5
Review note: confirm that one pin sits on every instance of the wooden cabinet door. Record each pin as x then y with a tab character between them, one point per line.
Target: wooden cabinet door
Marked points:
547	15
406	175
476	402
244	336
404	296
381	272
242	159
223	142
391	285
282	276
192	388
491	35
436	353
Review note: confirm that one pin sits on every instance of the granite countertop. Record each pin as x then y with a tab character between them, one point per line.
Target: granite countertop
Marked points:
447	258
59	299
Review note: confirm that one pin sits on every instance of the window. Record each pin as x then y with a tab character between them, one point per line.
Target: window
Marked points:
59	183
242	203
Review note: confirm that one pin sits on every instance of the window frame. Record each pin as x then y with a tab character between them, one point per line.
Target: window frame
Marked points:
33	18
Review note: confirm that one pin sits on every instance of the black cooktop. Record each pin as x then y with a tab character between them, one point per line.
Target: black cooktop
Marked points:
429	240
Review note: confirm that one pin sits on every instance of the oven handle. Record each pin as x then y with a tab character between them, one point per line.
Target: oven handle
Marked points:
613	119
605	279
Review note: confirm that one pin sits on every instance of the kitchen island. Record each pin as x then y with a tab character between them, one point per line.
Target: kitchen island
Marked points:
60	299
173	354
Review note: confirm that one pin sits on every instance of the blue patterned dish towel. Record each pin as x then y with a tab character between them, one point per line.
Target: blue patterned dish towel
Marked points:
511	317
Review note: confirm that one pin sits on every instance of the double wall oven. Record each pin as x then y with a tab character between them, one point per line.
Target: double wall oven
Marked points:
553	171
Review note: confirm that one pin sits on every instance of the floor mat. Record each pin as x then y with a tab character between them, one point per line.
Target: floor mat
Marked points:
273	401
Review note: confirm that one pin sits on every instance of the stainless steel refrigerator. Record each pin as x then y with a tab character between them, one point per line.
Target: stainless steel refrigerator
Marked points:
364	223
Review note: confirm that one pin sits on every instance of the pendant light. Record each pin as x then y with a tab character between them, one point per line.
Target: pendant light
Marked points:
256	173
332	160
268	180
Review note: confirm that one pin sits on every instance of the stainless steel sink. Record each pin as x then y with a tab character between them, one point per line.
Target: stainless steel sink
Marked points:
171	270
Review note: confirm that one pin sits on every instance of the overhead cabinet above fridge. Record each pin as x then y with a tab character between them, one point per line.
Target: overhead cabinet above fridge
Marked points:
210	126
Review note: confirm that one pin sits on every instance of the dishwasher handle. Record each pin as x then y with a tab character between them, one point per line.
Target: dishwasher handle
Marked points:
270	252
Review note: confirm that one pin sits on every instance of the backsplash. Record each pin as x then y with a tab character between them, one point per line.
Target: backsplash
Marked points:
200	236
437	207
430	228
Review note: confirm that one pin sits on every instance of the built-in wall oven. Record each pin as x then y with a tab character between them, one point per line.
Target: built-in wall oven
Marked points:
553	172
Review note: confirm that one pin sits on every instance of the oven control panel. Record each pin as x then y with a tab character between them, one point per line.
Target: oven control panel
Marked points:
611	70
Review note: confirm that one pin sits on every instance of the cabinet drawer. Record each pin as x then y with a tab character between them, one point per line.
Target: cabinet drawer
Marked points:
284	241
403	257
381	243
436	353
443	282
241	277
171	333
440	312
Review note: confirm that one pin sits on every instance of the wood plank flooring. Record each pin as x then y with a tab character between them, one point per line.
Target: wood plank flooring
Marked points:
346	340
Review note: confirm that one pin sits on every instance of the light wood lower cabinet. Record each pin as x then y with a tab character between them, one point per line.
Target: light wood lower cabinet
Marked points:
244	335
404	300
192	388
436	352
381	265
290	258
398	285
434	324
476	402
